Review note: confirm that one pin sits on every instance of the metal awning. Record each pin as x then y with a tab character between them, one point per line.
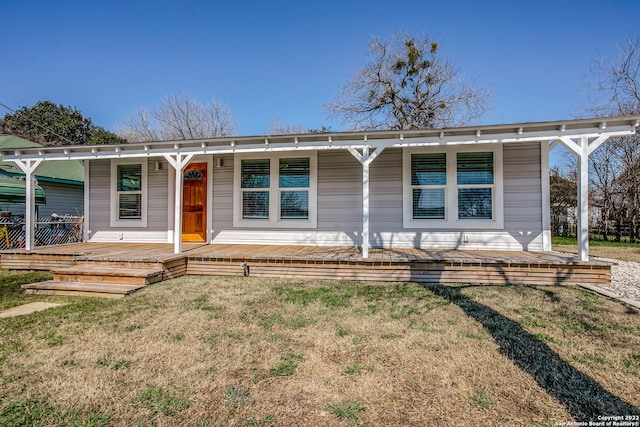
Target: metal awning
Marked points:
12	190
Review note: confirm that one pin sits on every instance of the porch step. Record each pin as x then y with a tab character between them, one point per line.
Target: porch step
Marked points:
56	287
108	274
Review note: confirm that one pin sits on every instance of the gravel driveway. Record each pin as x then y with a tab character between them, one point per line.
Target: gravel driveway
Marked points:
625	278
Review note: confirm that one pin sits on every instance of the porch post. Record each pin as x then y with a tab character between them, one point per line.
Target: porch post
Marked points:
545	185
87	199
582	151
178	162
583	200
365	160
29	167
365	204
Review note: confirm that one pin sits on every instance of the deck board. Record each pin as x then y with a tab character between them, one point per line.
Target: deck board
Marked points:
446	266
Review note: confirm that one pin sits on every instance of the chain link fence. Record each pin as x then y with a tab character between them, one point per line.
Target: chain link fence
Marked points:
53	230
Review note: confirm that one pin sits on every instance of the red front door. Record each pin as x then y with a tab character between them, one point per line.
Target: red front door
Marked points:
194	203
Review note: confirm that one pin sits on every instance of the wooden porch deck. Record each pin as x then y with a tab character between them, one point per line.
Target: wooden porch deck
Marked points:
340	263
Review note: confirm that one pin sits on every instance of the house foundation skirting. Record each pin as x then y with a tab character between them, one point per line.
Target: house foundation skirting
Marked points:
396	265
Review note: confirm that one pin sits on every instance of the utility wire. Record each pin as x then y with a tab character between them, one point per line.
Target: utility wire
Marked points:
40	126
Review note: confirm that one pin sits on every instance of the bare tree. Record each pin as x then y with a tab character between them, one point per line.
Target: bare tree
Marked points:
616	91
276	127
178	117
408	85
138	127
563	198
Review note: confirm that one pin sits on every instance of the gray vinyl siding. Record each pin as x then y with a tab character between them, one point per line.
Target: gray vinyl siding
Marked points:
158	198
222	197
339	192
385	194
100	197
339	204
523	194
62	199
522	206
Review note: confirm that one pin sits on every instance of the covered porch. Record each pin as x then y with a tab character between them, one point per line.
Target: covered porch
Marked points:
123	212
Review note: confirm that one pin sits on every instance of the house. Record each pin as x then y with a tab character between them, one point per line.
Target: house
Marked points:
482	187
60	184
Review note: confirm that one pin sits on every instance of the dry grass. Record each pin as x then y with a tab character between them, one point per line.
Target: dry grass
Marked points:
259	352
625	253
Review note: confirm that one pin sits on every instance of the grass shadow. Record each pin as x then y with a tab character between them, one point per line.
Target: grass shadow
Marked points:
583	397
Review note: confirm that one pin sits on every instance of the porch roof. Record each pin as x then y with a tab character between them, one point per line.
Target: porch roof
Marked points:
507	133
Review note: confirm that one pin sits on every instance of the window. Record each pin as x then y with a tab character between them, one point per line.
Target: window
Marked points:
255	188
275	190
475	179
294	177
453	187
428	184
128	194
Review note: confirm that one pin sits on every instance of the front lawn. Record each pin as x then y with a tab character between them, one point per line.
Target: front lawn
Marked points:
617	250
276	352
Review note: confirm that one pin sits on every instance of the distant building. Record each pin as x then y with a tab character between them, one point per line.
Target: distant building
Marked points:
60	184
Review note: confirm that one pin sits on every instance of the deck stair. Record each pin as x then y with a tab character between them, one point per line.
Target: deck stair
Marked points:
102	279
56	287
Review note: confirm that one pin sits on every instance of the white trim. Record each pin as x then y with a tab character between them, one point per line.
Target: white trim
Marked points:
443	239
495	134
113	217
87	200
546	196
132	236
451	220
274	220
171	187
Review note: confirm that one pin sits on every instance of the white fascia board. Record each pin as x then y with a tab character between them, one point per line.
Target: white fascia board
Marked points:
489	135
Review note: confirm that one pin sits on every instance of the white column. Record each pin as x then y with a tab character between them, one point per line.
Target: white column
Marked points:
546	197
365	203
583	200
178	162
177	213
87	201
365	160
29	167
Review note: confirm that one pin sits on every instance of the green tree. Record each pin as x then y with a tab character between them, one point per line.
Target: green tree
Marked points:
51	125
408	85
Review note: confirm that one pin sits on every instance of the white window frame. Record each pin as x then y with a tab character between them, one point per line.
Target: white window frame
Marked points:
274	220
451	220
115	221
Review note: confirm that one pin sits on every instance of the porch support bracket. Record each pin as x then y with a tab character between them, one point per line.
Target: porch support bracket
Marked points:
365	158
29	167
178	162
582	148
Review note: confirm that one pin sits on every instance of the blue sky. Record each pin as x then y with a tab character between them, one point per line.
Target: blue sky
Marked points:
288	59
